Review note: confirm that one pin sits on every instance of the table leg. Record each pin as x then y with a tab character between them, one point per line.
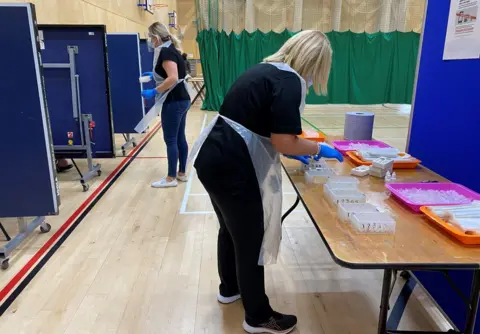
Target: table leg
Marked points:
198	94
382	318
289	211
472	310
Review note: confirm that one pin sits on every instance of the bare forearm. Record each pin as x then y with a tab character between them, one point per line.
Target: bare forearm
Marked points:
294	146
166	85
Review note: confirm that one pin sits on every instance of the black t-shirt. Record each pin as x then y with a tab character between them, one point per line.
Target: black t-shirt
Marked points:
265	100
179	93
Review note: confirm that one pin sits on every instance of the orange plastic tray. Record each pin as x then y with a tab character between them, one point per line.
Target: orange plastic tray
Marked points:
397	165
313	135
464	237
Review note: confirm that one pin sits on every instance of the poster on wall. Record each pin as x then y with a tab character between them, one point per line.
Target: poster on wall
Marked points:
463	31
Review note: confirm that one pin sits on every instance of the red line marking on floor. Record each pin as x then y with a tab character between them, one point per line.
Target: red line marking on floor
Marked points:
26	268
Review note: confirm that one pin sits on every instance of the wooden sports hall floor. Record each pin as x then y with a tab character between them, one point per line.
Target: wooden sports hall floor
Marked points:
143	260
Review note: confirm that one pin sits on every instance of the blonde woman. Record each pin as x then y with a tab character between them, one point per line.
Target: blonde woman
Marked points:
238	163
169	70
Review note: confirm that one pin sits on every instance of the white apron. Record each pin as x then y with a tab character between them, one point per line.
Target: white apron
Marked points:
266	161
159	98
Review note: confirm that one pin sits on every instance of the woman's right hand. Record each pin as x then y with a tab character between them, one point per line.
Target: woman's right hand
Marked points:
328	152
305	159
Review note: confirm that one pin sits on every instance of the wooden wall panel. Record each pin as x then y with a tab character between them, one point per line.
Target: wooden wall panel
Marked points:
117	15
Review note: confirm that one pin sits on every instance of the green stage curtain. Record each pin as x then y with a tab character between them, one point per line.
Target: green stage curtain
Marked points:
367	68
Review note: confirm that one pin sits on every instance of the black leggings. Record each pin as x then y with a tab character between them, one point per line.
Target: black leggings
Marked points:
236	198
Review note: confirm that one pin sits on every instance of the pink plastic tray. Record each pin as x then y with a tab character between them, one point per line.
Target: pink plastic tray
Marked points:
395	187
342	145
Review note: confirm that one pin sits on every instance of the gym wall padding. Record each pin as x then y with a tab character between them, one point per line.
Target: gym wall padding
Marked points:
29	183
366	68
445	118
124	70
92	67
147	66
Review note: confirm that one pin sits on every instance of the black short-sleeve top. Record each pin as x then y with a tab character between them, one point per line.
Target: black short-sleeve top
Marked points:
179	93
265	100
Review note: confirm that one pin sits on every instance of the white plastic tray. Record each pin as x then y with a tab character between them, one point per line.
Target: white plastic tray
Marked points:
346	210
342	182
373	223
315	164
319	175
337	196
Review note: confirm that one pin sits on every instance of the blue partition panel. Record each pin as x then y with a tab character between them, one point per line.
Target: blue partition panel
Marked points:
92	68
446	116
124	64
446	110
29	183
147	66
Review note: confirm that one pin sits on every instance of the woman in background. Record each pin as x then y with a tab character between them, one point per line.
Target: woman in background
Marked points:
187	63
169	70
239	165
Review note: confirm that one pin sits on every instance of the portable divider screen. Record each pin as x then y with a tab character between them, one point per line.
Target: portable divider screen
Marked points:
124	64
29	185
75	65
78	93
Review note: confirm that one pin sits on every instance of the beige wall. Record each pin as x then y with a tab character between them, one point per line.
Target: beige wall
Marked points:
117	15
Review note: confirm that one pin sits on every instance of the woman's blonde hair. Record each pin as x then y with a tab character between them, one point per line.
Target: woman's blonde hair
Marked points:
160	31
310	54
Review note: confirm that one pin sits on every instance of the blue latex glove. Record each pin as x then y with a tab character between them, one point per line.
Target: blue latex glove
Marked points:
150	74
149	93
305	159
328	152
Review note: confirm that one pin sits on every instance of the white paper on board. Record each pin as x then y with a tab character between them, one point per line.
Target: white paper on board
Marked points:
463	31
41	40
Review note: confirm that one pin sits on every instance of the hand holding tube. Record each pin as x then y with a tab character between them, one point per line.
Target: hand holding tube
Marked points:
149	93
305	159
325	151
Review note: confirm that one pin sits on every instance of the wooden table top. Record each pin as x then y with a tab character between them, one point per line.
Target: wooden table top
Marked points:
415	244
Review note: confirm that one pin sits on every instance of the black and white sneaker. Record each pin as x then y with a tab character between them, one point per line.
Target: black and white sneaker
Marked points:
227	300
277	324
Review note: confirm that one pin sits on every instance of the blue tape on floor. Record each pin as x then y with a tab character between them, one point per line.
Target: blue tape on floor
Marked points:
400	304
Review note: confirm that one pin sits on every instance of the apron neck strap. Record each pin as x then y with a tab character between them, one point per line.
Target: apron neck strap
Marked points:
286	67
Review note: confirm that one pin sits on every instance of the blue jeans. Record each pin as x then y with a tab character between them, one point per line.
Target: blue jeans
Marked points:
174	115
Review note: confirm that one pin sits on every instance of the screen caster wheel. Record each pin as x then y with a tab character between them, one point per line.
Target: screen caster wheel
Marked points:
99	173
124	152
405	275
45	228
85	187
5	264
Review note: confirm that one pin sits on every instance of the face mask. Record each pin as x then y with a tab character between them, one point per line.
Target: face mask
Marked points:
150	44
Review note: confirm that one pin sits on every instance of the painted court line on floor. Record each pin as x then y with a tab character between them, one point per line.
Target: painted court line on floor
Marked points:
205	194
16	285
151	158
188	186
211	212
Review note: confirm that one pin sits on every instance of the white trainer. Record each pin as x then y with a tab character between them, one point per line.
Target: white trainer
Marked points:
227	300
163	183
182	178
